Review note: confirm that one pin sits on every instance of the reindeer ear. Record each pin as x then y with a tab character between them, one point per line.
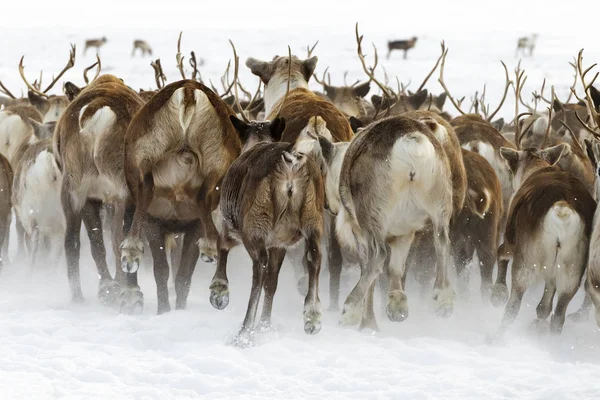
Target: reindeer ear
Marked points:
557	105
36	100
512	158
589	149
37	127
277	128
326	148
498	124
329	90
376	100
595	94
262	69
440	100
241	127
71	91
554	153
417	99
362	90
308	67
355	124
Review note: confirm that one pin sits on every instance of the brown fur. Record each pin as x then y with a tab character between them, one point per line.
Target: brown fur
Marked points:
142	46
84	158
269	205
544	189
475	229
6	183
174	175
350	99
302	104
401	45
51	107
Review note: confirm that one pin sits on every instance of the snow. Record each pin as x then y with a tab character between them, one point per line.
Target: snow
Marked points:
50	348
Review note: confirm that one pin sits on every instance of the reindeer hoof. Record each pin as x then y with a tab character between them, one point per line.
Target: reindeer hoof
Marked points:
77	299
207	259
131	255
499	295
312	322
108	292
219	295
445	302
131	301
163	308
302	285
351	315
208	250
244	339
397	306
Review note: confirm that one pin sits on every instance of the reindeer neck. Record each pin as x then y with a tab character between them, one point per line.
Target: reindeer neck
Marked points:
276	88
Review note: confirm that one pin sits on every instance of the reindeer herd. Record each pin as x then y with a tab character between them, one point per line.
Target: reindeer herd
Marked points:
391	185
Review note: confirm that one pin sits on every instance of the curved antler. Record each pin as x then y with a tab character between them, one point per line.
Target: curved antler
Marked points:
441	79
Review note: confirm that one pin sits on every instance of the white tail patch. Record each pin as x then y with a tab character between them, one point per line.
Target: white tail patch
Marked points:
440	133
482	204
100	122
40	196
563	223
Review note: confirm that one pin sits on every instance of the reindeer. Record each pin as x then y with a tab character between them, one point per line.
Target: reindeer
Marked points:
36	197
376	224
547	233
350	99
97	43
526	43
286	95
142	46
6	183
401	45
272	198
177	150
89	151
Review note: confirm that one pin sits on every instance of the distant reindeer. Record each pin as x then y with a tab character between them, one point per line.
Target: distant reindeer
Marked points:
141	45
401	45
97	43
526	43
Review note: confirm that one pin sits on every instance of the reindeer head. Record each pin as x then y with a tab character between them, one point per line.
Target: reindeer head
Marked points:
253	132
525	162
274	74
348	99
50	107
42	130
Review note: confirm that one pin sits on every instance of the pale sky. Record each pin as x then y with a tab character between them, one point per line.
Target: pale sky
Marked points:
524	16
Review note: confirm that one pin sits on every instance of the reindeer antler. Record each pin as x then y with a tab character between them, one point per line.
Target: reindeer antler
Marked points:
370	71
69	65
309	50
594	115
98	63
159	75
179	57
6	91
506	87
236	63
422	86
441	80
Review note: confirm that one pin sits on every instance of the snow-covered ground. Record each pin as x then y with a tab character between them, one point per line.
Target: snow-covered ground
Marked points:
52	349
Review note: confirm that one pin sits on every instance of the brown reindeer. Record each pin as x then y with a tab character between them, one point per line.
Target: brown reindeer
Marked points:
6	183
272	198
177	150
89	147
404	45
395	177
96	43
142	46
547	233
350	99
475	228
298	106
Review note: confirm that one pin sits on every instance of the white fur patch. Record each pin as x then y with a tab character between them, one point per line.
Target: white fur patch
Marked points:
277	86
13	133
